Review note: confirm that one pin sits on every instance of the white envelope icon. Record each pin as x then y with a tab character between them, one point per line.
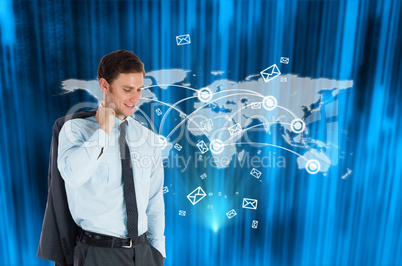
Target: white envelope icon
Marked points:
254	172
256	105
254	224
165	190
197	195
284	60
270	73
202	147
231	213
183	39
207	124
234	129
250	203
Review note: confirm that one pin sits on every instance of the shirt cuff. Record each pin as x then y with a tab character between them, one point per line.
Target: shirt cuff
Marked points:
104	138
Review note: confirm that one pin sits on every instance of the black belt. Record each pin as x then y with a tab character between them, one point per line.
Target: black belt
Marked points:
105	241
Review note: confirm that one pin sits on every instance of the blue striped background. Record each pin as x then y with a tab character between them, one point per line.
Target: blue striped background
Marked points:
304	220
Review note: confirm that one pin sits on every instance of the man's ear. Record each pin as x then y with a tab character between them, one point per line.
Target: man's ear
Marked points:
104	85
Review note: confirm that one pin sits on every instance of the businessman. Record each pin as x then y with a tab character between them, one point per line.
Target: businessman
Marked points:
113	178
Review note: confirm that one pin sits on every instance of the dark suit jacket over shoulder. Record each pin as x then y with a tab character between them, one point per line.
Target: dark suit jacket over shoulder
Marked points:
59	231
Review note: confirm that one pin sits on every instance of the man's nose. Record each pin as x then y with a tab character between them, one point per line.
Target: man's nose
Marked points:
135	96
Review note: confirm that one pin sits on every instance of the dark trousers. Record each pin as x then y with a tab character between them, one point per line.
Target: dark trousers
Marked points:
142	254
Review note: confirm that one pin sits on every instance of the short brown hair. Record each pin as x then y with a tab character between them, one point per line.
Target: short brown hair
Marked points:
121	61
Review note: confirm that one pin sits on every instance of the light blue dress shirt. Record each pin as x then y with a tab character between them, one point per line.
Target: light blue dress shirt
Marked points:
94	185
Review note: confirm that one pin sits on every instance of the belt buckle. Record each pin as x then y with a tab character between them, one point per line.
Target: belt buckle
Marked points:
131	244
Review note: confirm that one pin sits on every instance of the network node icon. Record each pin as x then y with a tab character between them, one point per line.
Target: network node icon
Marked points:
313	166
216	146
162	142
297	126
269	103
205	95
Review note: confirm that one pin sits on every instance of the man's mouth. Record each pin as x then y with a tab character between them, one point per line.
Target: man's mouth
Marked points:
130	106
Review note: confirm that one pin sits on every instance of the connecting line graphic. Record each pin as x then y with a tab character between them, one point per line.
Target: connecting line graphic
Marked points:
290	112
199	108
269	103
244	107
188	98
267	123
146	117
170	108
168	85
175	104
182	100
267	144
246	129
278	106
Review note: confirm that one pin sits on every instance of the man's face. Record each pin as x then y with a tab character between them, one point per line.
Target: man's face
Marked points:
123	93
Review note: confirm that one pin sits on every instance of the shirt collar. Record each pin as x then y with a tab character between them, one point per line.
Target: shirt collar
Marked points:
118	122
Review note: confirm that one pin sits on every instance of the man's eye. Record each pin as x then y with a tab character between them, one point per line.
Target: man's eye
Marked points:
127	90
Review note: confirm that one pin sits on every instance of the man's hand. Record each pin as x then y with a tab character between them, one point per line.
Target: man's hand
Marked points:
105	117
